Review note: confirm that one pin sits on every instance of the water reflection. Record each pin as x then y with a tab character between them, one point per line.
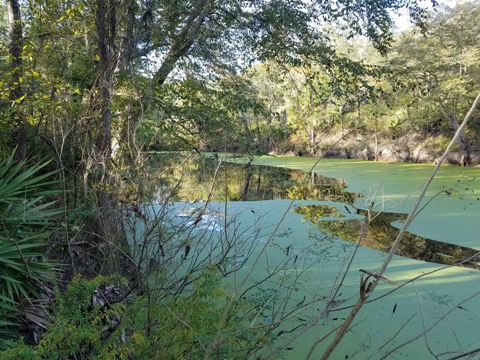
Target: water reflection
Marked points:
381	234
204	179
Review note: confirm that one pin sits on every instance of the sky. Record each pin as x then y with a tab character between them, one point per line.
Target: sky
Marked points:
402	21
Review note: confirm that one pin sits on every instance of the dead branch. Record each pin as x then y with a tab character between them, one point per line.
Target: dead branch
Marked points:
411	215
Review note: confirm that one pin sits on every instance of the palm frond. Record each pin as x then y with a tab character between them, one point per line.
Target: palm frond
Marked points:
26	220
17	181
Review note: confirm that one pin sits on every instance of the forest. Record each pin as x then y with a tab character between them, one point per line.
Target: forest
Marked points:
92	91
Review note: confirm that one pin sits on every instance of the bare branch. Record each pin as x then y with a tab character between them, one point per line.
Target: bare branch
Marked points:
411	215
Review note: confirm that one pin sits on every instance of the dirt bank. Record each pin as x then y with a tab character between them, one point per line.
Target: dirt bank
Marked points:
406	148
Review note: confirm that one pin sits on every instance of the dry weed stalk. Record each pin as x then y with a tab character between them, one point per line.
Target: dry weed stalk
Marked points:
367	287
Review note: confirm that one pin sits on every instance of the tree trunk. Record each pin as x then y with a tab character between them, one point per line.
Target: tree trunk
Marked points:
184	41
115	53
127	42
17	127
466	157
105	242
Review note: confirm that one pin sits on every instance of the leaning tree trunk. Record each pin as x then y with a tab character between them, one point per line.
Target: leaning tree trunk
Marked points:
184	41
466	157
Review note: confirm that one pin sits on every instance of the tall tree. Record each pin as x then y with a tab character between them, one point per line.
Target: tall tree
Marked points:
97	71
101	151
15	90
442	70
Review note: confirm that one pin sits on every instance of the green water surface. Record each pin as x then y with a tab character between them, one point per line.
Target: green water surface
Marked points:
453	211
443	302
314	274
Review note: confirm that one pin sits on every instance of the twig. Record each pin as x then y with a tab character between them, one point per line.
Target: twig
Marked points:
398	332
408	282
327	307
379	277
423	323
317	341
216	338
411	215
431	327
471	352
452	328
184	323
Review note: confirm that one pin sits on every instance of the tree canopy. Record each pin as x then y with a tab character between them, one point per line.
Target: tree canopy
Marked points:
95	86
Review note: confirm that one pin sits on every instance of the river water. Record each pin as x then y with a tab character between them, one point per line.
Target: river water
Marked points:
296	225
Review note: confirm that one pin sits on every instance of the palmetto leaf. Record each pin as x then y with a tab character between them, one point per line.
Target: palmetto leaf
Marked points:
27	213
16	183
34	312
20	275
26	219
8	313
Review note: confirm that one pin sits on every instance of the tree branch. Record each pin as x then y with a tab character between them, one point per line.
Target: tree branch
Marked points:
184	41
371	286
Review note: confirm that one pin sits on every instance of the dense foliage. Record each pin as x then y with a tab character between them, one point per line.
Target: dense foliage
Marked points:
27	217
93	86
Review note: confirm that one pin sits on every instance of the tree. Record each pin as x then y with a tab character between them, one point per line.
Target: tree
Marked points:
15	90
442	69
312	100
83	61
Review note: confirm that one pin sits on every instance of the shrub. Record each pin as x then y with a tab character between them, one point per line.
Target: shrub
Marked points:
27	219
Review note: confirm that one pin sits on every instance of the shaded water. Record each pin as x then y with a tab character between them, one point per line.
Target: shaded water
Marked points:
207	179
234	182
293	271
381	234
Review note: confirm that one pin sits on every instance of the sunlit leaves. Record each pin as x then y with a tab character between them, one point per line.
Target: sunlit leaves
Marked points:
205	114
442	68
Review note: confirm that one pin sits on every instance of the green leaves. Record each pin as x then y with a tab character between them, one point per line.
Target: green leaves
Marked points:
16	183
440	70
26	220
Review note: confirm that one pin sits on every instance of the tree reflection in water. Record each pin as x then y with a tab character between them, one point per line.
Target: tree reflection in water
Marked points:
235	182
381	234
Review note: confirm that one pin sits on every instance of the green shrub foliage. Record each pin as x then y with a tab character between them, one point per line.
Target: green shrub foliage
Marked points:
89	326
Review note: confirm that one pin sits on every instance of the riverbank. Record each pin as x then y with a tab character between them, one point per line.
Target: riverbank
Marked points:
409	147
